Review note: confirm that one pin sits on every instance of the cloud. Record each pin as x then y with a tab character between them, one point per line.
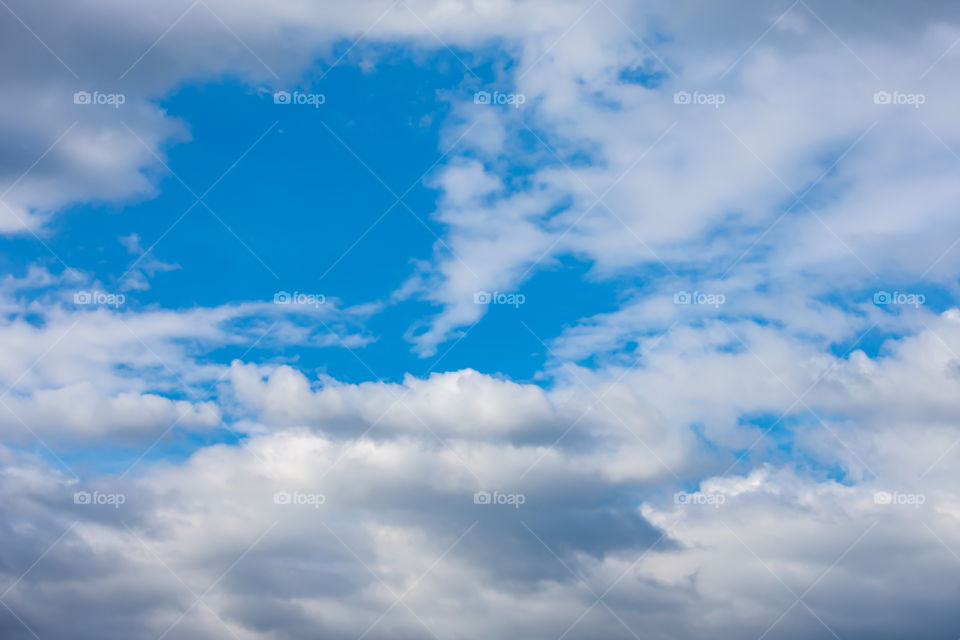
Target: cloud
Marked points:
300	529
784	169
106	367
343	496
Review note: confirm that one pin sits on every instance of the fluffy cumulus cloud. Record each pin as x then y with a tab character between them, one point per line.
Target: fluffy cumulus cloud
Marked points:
78	365
731	452
344	511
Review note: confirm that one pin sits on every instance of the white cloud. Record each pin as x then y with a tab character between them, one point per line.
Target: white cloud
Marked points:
81	372
385	474
686	188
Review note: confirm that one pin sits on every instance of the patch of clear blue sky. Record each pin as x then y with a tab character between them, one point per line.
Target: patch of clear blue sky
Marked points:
299	200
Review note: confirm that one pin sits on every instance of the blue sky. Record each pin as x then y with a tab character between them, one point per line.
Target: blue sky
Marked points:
306	215
617	317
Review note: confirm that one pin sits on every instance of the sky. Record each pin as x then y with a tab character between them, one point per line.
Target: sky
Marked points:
469	319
